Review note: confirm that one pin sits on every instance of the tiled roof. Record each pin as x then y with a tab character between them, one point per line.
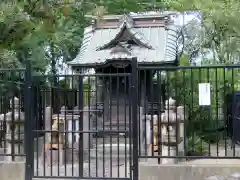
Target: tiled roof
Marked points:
128	26
154	44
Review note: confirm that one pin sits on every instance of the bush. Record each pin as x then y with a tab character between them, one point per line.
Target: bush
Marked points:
203	122
196	146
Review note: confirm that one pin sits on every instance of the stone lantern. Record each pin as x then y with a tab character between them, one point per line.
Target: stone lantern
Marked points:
171	136
14	130
54	148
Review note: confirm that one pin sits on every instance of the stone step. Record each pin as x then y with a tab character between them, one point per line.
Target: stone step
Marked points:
116	123
110	151
121	123
113	128
113	132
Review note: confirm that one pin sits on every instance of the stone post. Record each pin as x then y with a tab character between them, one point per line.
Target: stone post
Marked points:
2	135
69	142
48	123
99	89
148	133
15	131
152	136
142	130
87	126
68	120
54	149
72	125
99	105
92	93
181	145
47	135
63	115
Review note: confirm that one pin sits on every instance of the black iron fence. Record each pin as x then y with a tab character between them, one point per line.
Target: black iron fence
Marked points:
200	117
94	138
100	125
11	117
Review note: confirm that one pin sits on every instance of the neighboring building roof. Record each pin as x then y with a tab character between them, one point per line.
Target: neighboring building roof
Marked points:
150	38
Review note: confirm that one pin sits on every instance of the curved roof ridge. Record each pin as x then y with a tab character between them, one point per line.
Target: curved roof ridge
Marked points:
171	44
128	25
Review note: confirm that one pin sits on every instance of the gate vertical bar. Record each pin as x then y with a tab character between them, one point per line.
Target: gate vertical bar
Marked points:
28	135
80	123
134	87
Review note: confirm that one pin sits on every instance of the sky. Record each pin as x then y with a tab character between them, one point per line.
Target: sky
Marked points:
184	19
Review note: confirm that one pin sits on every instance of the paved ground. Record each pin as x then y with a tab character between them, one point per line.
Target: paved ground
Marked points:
221	150
92	169
95	168
115	170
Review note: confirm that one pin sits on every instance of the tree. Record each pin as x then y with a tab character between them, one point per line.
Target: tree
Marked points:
220	26
41	32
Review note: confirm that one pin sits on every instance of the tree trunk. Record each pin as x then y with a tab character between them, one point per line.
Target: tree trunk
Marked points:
54	92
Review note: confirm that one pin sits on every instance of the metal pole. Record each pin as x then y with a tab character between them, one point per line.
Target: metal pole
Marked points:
134	87
80	123
28	125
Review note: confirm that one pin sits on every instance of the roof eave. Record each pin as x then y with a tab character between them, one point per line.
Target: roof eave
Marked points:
148	64
134	16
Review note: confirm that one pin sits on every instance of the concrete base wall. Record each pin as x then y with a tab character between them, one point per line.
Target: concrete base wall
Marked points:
12	170
185	171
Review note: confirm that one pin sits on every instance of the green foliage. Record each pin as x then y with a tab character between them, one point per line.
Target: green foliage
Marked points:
196	144
219	26
65	85
182	84
29	27
46	31
41	32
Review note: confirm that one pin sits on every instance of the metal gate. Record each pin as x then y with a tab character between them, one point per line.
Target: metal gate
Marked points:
90	141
